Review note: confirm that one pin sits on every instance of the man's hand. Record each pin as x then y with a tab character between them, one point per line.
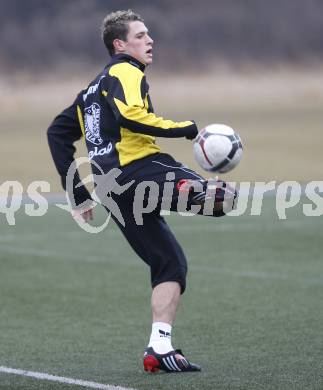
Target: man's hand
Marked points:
193	131
192	135
86	216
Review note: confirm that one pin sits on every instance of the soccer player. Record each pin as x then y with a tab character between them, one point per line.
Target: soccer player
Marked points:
115	116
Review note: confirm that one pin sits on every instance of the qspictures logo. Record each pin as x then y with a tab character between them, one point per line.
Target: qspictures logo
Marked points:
287	195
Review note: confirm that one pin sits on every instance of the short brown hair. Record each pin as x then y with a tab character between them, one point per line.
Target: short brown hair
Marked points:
115	26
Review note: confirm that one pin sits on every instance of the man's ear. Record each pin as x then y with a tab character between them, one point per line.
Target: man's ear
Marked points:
119	45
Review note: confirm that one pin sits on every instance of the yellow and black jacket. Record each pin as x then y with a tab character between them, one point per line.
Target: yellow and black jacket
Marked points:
115	116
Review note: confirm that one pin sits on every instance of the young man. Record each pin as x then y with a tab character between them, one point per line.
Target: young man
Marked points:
115	116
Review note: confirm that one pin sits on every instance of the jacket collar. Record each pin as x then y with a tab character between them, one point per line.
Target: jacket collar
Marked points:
117	58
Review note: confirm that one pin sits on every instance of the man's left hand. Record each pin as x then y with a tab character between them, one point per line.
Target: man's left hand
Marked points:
85	215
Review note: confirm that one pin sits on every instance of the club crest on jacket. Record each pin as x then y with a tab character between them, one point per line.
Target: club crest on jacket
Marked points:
92	124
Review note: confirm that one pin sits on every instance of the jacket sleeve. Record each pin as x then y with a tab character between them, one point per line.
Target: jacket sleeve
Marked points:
128	98
62	133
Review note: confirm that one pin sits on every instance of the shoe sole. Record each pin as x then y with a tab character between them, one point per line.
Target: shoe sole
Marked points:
151	364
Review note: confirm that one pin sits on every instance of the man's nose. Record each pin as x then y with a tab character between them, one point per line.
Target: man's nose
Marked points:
150	40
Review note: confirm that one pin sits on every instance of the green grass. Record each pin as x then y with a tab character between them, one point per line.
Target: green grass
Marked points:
77	305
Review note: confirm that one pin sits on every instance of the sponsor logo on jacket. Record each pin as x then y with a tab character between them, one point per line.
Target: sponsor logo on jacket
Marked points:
100	152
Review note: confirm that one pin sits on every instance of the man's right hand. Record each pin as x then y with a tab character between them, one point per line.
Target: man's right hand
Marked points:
193	132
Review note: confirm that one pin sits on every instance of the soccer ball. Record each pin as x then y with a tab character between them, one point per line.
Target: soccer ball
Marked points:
218	148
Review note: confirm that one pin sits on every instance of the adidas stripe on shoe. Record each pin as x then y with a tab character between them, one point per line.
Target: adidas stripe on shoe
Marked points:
173	361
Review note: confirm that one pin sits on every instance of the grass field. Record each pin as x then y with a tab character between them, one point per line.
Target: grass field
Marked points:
77	305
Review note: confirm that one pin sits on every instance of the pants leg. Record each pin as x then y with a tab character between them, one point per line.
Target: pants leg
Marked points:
155	244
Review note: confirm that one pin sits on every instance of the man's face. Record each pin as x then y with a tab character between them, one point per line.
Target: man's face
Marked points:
138	43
